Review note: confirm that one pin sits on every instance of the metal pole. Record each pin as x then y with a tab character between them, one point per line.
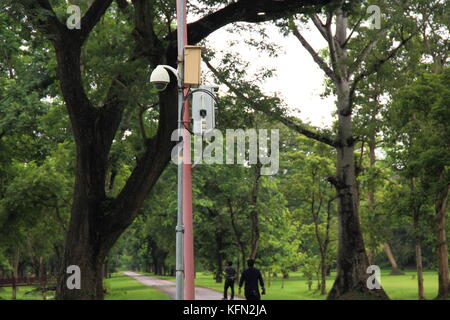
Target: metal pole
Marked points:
188	243
180	228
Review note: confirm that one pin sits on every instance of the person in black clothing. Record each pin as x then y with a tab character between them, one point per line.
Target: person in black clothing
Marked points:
230	276
251	277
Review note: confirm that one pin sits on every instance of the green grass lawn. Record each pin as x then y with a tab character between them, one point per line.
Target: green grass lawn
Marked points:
121	287
23	293
405	287
402	287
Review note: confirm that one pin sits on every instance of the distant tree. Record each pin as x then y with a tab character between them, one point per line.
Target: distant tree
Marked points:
419	119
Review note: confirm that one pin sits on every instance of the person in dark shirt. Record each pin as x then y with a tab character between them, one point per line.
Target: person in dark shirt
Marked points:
251	277
230	276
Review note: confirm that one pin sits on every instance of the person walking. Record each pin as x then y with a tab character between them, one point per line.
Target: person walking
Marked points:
251	276
230	276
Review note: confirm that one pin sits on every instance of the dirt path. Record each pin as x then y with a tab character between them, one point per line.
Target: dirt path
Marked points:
168	287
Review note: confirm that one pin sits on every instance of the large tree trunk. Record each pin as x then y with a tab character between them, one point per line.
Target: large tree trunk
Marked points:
352	262
418	256
90	264
97	221
85	244
442	246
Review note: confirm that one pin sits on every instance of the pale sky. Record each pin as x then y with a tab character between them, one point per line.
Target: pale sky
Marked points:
297	78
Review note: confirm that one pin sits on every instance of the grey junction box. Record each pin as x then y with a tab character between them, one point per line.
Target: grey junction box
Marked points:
203	110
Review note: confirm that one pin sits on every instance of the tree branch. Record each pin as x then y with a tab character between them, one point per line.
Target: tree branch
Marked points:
320	26
377	64
93	15
352	31
366	51
320	62
277	116
148	45
68	44
332	46
50	25
247	11
149	166
47	23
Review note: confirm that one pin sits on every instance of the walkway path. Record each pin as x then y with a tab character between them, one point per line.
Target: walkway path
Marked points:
168	287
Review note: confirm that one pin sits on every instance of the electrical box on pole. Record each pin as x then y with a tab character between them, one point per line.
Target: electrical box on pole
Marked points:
192	61
203	109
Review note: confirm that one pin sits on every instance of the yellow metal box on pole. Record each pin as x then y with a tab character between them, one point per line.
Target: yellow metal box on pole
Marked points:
192	60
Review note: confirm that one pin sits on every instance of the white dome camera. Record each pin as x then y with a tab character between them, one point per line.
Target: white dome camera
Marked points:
160	78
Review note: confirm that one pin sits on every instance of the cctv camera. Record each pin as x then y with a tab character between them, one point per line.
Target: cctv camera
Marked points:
160	86
160	78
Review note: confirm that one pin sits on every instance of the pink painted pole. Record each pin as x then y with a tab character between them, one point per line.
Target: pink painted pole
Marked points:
189	284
